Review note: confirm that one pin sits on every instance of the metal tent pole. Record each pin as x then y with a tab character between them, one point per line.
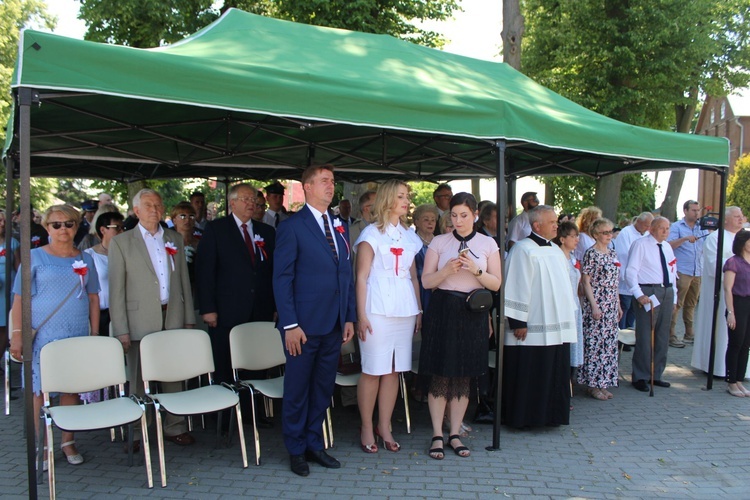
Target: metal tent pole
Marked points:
718	281
502	207
27	97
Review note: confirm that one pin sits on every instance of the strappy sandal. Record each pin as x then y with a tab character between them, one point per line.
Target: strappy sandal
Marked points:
597	394
608	394
437	453
462	451
74	459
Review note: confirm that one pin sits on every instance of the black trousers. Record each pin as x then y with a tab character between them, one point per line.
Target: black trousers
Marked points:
738	347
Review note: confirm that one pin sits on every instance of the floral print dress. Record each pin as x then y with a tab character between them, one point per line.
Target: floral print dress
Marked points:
600	363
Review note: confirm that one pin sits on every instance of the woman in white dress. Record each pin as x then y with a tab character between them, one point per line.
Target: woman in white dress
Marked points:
388	310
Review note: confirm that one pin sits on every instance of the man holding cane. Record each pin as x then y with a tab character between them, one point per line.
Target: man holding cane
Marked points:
651	274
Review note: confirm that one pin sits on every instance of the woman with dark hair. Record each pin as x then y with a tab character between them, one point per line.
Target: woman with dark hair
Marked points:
567	240
107	226
455	340
737	296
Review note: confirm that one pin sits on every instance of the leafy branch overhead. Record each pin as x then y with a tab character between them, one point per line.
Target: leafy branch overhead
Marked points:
151	23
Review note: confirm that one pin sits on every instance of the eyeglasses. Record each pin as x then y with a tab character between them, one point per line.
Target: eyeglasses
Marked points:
186	216
607	233
246	199
116	227
261	205
57	225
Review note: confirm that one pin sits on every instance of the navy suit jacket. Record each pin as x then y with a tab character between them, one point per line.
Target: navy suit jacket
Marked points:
311	287
227	283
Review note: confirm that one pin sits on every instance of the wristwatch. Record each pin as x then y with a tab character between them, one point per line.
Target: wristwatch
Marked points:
478	273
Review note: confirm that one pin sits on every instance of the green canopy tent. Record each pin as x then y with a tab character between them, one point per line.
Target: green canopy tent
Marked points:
254	97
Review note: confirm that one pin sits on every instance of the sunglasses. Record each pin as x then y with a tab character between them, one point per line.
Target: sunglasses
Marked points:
57	225
186	216
116	227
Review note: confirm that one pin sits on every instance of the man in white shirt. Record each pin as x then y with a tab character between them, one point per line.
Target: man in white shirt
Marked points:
652	273
519	227
627	236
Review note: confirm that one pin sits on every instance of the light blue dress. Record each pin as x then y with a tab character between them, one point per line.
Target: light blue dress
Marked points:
6	259
576	350
52	278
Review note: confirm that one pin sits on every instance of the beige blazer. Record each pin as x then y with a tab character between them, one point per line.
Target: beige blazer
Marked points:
134	304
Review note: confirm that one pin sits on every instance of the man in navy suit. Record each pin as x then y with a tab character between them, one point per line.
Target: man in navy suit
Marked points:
314	294
234	270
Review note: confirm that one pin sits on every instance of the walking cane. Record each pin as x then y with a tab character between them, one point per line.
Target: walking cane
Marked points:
651	394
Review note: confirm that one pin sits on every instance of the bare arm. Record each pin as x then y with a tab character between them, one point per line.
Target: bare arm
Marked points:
588	291
365	256
431	277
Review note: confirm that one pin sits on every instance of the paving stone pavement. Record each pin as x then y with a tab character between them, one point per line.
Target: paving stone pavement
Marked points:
684	442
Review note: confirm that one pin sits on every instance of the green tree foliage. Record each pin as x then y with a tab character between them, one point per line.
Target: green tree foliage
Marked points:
573	193
636	60
15	15
144	23
150	23
738	188
421	192
644	62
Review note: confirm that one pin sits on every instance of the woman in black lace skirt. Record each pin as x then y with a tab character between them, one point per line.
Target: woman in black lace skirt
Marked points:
454	339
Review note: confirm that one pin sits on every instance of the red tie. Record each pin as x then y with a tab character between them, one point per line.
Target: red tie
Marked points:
249	243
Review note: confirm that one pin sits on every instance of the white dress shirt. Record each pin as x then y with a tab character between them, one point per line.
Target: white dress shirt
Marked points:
159	259
644	265
519	227
623	243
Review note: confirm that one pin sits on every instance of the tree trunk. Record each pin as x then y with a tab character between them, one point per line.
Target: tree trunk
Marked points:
549	194
608	195
513	28
684	120
475	189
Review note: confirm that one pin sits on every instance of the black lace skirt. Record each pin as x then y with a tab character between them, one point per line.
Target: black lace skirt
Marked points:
455	341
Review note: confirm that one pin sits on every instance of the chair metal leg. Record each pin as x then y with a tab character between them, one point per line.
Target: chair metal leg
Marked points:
325	435
160	443
6	357
330	426
404	395
146	449
256	436
50	458
242	435
40	450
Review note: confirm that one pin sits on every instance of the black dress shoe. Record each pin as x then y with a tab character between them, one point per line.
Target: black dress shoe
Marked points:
661	383
322	458
299	465
641	385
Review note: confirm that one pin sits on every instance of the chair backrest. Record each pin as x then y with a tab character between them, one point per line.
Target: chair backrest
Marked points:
256	346
176	355
82	364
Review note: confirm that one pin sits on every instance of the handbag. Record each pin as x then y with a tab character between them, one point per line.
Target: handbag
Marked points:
479	300
34	330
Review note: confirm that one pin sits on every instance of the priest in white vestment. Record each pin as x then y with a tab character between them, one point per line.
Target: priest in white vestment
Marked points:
733	220
541	311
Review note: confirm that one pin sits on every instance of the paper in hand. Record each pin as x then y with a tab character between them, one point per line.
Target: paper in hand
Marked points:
654	302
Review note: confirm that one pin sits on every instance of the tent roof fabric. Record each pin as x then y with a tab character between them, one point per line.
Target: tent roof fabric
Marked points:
250	96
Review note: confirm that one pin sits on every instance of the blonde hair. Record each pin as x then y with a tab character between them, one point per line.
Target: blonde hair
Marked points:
598	224
587	217
385	198
68	211
444	220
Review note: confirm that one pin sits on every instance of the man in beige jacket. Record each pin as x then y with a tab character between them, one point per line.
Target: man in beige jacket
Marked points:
149	291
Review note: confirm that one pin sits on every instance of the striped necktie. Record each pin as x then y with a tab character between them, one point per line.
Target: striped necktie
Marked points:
329	236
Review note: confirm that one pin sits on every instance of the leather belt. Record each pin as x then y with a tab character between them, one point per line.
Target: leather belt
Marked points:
657	285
